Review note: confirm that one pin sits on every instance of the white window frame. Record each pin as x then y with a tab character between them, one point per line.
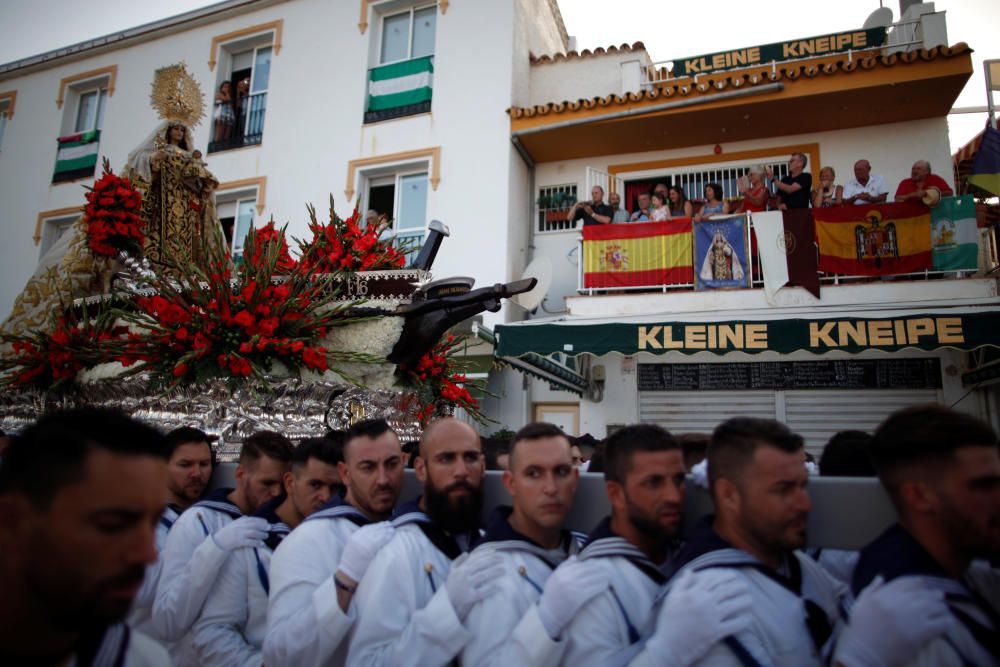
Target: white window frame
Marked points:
71	106
411	10
397	174
101	92
238	198
49	226
4	116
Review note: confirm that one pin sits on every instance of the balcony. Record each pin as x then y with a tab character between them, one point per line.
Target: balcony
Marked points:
238	123
951	286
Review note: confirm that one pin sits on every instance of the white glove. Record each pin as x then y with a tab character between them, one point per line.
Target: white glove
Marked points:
699	473
471	580
701	609
361	548
247	531
571	585
890	622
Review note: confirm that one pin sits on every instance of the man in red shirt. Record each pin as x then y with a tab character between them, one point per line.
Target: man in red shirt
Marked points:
921	178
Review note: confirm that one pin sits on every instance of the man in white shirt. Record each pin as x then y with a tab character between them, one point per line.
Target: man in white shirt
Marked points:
530	542
410	612
315	569
232	625
203	537
866	188
189	470
80	494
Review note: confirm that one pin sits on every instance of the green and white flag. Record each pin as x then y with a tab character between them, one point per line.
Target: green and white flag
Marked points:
77	154
400	84
954	235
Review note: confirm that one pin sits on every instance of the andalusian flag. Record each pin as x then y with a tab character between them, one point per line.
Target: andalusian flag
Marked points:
986	167
400	84
637	255
954	234
878	240
77	156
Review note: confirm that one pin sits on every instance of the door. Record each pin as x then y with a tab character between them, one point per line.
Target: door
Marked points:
564	415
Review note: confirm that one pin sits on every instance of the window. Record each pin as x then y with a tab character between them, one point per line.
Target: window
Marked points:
52	230
554	202
401	82
3	123
90	110
237	212
402	198
238	120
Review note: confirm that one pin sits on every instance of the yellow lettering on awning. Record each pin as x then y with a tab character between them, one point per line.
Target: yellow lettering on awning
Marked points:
756	335
668	339
647	338
731	335
694	336
853	330
788	50
950	330
820	336
880	332
860	39
923	326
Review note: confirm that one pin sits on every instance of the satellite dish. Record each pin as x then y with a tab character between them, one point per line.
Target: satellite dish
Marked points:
540	269
880	18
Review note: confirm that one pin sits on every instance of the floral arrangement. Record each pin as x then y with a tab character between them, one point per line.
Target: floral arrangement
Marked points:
111	217
265	236
48	360
211	328
439	381
342	245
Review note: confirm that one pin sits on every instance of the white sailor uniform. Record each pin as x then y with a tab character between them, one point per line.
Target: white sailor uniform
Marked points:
119	646
190	564
231	628
140	615
405	618
974	601
611	628
506	627
305	625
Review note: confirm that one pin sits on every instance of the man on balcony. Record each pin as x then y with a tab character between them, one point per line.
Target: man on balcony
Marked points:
866	188
921	179
618	214
594	212
793	189
641	214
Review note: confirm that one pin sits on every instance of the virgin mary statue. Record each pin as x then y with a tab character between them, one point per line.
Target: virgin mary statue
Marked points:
178	209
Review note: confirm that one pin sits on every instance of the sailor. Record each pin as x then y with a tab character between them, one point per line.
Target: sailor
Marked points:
942	472
232	625
410	613
758	484
202	538
531	543
80	493
189	469
310	616
627	553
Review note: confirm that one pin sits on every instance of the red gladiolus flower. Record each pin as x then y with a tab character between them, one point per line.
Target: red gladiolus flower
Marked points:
180	369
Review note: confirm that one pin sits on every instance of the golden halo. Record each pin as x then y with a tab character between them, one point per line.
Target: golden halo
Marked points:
176	95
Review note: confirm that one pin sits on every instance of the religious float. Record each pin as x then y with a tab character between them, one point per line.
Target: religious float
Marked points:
139	306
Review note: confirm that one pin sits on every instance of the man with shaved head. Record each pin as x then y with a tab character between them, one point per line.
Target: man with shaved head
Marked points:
410	612
315	569
866	188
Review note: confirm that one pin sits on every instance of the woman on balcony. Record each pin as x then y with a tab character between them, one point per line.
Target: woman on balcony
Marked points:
659	212
755	193
680	207
224	115
827	194
713	203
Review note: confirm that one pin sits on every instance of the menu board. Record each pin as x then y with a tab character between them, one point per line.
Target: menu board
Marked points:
822	374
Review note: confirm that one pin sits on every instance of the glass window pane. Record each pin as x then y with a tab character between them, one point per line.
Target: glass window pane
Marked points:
3	125
423	32
395	37
261	70
244	218
102	102
242	60
85	112
412	202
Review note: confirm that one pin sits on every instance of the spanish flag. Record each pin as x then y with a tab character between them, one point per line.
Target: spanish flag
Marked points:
638	254
877	240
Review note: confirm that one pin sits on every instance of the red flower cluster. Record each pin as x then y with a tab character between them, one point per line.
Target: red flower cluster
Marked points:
438	382
112	215
47	360
342	245
263	238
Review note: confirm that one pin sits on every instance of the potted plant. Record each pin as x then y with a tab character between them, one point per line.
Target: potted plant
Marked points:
558	209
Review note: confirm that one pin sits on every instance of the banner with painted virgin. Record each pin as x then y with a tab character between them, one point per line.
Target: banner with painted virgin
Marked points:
721	259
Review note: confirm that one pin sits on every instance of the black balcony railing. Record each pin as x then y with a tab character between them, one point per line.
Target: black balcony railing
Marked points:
238	123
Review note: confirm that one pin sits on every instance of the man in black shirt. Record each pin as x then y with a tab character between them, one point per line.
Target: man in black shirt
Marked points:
794	189
594	212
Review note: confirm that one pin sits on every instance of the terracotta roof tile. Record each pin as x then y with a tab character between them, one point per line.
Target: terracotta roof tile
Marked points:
710	83
586	53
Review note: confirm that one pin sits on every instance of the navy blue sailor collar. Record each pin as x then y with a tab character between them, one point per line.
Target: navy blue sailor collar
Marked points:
603	542
410	513
501	534
338	508
218	500
893	554
277	529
